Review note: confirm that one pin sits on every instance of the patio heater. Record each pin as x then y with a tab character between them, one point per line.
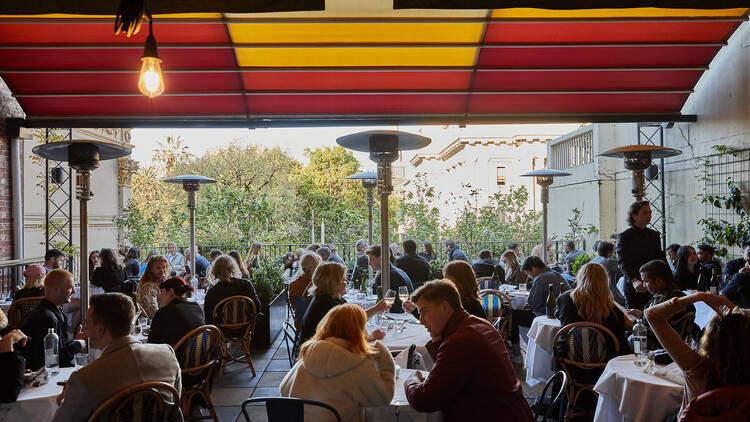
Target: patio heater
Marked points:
544	178
384	147
369	181
638	159
84	156
190	184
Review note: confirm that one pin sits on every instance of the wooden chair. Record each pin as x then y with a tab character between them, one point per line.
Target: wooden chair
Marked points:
141	402
496	305
545	407
287	409
235	316
20	307
198	352
583	356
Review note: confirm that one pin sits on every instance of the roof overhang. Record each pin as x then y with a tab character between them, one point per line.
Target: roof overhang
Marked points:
364	63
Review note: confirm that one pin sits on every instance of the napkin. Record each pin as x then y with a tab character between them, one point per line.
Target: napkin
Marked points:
672	373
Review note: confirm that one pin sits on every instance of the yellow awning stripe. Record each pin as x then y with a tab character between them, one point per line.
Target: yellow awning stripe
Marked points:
639	12
355	56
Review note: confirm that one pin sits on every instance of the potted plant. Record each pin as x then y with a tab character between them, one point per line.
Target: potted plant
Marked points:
269	284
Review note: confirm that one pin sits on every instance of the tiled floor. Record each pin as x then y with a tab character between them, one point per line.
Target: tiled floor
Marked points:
271	364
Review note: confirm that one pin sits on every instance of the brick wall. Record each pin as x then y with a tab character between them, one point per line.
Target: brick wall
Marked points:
6	199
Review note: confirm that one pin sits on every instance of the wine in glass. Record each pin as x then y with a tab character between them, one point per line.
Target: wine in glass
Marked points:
389	298
403	294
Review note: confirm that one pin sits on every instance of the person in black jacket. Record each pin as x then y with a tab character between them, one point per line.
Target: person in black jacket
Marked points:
636	246
485	266
34	284
12	364
58	287
328	287
360	267
416	267
110	275
733	266
427	252
454	253
398	277
738	289
132	263
177	316
227	273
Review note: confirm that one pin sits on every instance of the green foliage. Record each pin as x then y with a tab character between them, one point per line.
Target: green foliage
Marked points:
419	218
577	232
722	232
436	268
268	281
580	261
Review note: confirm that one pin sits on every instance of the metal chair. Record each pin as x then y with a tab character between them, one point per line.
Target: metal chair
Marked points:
20	307
141	402
290	336
583	356
198	353
235	316
496	305
545	407
287	409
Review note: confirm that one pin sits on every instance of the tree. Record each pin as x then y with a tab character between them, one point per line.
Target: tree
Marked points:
418	216
170	153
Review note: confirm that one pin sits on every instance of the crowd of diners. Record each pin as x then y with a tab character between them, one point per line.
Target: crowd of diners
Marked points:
342	364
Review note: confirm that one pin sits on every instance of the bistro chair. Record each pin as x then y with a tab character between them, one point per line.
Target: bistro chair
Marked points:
288	409
582	354
300	304
20	307
496	305
144	402
552	407
235	316
198	353
290	339
487	283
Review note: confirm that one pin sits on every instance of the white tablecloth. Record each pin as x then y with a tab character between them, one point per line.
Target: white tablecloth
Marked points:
399	410
517	298
539	349
414	333
628	394
366	302
36	404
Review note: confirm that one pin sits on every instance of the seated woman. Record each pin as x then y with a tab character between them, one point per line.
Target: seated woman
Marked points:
722	358
147	292
110	275
329	285
300	286
227	274
687	270
513	273
592	301
462	275
152	253
34	285
132	266
337	367
240	264
177	316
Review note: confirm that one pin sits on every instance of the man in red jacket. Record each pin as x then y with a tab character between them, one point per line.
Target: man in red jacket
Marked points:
473	377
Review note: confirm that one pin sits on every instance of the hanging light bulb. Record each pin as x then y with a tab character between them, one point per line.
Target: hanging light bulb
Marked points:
151	81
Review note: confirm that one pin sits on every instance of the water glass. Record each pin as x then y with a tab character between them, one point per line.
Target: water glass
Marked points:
82	359
384	323
522	287
146	330
400	325
142	322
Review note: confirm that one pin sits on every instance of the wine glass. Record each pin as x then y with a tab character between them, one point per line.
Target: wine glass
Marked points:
389	298
403	295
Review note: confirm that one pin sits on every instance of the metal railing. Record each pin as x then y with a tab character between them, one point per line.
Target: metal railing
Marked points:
11	274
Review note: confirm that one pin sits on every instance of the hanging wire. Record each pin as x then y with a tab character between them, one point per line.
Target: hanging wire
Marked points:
130	15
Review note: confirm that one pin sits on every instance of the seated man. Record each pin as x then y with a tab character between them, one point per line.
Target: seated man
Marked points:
542	276
660	283
58	288
124	361
472	377
572	254
398	277
360	268
734	266
738	289
415	267
485	265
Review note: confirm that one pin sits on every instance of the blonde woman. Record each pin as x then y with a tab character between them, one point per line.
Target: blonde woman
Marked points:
592	301
300	286
240	264
513	273
34	285
229	282
337	366
253	256
147	293
328	287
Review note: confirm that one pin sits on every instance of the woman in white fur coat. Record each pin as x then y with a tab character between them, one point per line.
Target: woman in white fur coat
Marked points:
338	367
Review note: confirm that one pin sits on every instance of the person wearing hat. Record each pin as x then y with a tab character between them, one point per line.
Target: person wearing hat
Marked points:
34	285
176	316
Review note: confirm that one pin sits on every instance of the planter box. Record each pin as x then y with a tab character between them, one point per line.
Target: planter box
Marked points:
270	324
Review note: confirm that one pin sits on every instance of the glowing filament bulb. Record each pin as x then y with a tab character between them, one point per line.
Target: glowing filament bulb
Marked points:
150	81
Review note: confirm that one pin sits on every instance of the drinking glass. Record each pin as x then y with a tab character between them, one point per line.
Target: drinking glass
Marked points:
403	294
522	287
142	322
384	324
400	325
82	359
389	298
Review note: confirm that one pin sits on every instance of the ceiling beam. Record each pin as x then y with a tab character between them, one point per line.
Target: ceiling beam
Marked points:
367	69
230	45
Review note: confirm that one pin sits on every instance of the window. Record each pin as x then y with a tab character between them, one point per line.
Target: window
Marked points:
501	175
573	152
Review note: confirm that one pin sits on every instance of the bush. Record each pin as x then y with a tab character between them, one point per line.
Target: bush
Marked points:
579	262
436	268
268	281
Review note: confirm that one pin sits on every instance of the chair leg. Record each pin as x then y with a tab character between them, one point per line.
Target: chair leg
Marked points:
224	359
246	351
209	404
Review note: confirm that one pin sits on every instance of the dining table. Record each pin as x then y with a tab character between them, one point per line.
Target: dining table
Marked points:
399	409
539	349
36	403
628	394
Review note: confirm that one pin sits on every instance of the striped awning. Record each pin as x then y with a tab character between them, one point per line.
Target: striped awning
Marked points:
366	65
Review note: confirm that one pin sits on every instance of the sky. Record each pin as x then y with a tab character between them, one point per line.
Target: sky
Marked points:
294	140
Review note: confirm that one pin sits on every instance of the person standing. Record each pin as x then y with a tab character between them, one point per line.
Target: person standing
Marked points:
176	259
473	376
416	267
636	246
